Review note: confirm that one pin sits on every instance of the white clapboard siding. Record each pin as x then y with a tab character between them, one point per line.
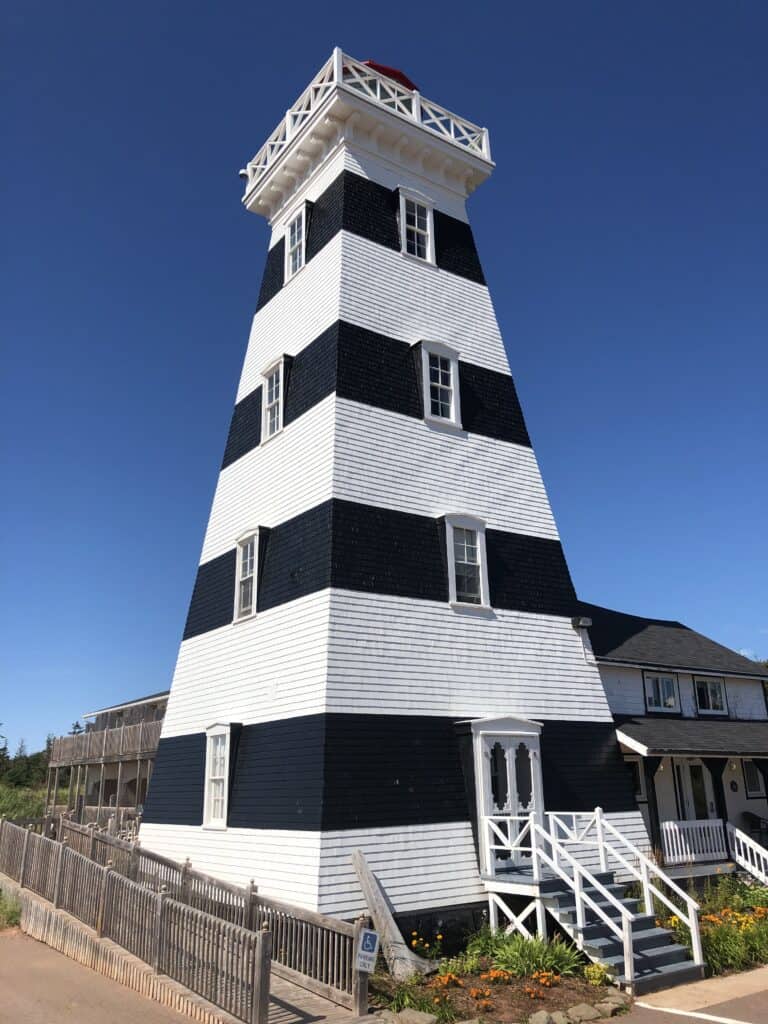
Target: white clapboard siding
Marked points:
398	656
398	462
283	864
260	488
300	311
380	285
624	689
419	867
745	698
268	667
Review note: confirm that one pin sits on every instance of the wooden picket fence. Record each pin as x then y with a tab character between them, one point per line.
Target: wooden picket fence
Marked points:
225	963
312	950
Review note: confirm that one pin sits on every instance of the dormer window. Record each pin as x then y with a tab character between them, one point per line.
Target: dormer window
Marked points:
416	227
294	245
467	565
710	696
247	557
272	398
661	692
440	381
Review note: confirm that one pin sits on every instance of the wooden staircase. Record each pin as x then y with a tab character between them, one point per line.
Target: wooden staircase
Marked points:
659	961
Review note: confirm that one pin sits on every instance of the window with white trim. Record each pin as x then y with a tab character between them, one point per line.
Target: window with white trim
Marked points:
467	568
710	696
294	245
754	783
661	692
272	398
245	601
416	227
440	381
638	777
216	776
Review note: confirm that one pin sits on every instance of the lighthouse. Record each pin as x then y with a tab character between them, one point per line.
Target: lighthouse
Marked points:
383	650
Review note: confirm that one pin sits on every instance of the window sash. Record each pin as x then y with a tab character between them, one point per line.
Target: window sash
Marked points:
295	244
753	780
661	692
273	401
416	229
466	565
216	780
710	696
246	571
440	386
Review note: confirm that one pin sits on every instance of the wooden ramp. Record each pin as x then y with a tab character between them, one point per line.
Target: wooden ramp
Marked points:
289	1004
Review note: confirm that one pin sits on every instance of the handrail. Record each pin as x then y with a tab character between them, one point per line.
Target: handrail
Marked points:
647	867
748	853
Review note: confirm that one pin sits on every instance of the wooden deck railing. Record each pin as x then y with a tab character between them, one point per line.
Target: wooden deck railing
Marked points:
313	950
104	744
225	963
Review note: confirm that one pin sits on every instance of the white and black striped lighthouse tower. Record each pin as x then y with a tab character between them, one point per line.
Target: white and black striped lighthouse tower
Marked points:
381	644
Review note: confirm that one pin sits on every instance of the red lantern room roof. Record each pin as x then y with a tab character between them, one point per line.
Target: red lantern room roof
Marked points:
397	76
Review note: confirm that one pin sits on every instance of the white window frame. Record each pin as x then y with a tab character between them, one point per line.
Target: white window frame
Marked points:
660	709
709	680
462	521
250	536
214	732
441	351
641	796
753	794
409	195
299	247
279	364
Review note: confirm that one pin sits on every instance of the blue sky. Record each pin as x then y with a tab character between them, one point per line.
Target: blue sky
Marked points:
623	235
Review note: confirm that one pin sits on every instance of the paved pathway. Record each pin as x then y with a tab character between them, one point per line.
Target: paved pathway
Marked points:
40	986
735	999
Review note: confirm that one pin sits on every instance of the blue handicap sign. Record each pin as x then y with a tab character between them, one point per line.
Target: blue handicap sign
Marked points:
369	942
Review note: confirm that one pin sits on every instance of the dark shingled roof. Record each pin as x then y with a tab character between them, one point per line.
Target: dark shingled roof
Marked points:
126	703
617	636
696	736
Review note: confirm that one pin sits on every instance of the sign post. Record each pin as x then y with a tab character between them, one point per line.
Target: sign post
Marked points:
367	948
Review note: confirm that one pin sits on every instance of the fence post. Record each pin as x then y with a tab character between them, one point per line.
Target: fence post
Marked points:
158	928
24	856
92	845
104	891
262	965
250	907
2	825
359	978
186	867
600	838
57	879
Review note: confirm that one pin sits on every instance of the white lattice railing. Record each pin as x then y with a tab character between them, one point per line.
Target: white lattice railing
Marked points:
748	853
693	842
342	71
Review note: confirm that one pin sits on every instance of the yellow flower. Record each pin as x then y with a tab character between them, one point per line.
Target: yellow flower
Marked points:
439	936
426	945
414	943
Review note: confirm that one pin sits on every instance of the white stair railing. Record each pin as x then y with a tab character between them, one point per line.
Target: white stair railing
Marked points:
748	853
692	842
600	834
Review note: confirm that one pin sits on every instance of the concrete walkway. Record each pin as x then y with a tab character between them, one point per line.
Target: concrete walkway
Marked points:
734	999
40	986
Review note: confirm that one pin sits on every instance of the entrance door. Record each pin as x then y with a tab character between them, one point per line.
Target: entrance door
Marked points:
695	793
509	789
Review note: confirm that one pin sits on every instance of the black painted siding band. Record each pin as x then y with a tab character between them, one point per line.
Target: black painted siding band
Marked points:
366	548
373	369
365	208
345	771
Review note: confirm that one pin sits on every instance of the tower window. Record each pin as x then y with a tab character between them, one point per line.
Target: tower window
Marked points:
440	380
294	249
245	602
216	776
467	567
273	401
416	228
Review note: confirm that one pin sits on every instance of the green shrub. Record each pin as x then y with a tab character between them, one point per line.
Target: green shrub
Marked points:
10	912
485	942
19	802
523	957
462	964
597	974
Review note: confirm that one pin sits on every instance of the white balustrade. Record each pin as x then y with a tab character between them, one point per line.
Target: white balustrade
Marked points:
748	853
693	842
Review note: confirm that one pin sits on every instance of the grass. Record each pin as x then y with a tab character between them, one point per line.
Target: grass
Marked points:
19	802
10	913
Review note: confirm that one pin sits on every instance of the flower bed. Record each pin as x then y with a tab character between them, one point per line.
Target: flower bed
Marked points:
499	978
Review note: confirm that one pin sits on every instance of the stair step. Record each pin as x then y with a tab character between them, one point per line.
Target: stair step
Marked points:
591	917
608	945
548	885
566	898
648	960
599	930
665	977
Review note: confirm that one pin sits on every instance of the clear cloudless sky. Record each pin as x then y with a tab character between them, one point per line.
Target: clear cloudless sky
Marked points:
623	235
